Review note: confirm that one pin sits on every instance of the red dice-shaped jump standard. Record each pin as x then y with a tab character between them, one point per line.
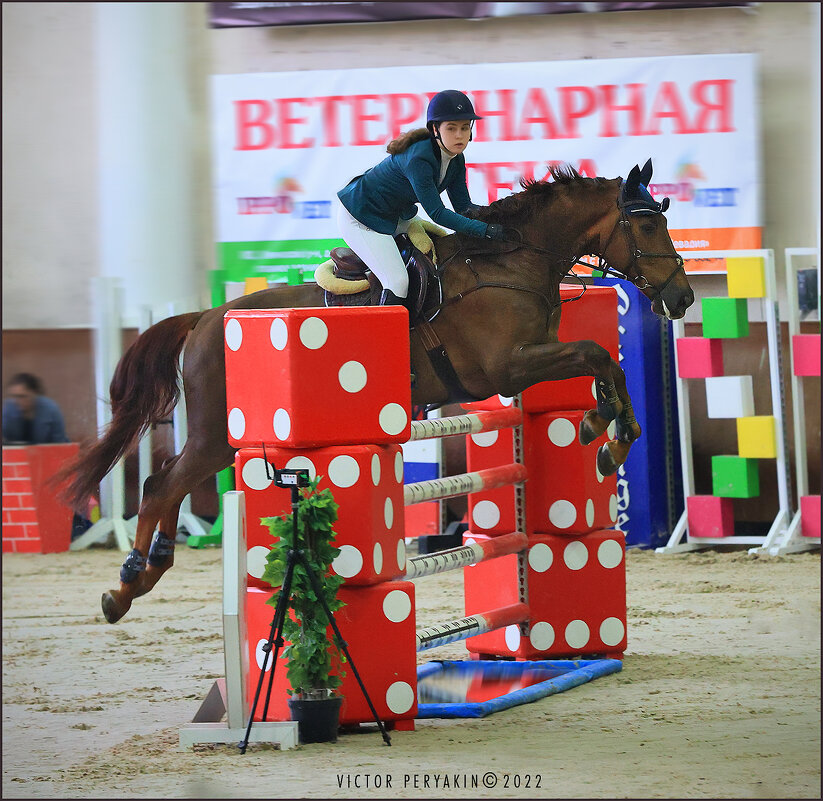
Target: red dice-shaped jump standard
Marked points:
593	317
492	511
305	378
565	493
576	593
367	484
378	627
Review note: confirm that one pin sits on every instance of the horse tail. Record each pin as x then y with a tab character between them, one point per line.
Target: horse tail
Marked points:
144	390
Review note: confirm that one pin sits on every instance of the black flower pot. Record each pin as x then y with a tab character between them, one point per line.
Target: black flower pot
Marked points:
318	719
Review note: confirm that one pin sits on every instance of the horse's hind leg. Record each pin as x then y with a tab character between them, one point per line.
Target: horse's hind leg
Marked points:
163	493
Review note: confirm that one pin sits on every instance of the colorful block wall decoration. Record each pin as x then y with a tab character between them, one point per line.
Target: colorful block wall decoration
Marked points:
810	516
729	396
725	318
806	354
746	277
757	437
698	357
735	477
710	516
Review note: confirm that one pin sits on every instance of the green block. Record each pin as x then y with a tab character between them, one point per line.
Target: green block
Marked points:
725	318
735	477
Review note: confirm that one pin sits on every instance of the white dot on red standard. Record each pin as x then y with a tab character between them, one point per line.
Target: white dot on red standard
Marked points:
375	469
237	423
377	558
392	418
562	514
613	508
256	560
260	655
256	474
612	631
594	389
562	432
590	513
352	376
349	562
400	697
344	471
512	635
302	463
485	438
388	513
610	553
540	557
278	333
234	334
577	634
313	333
575	555
485	514
597	472
610	429
401	554
281	424
542	636
398	466
397	606
504	400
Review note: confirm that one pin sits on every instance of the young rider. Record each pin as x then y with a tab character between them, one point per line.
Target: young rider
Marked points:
381	203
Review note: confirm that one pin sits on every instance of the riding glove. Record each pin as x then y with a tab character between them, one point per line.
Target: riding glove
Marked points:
495	231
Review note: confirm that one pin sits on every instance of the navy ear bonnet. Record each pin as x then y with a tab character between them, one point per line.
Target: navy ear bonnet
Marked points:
635	198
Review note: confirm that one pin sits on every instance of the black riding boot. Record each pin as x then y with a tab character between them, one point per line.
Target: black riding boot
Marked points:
388	298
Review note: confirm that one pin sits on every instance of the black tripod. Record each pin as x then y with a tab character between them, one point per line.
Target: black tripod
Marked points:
294	479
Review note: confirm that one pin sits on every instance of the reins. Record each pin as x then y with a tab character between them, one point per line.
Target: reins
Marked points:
623	223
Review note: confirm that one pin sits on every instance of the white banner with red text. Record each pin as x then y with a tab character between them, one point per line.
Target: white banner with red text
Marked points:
285	143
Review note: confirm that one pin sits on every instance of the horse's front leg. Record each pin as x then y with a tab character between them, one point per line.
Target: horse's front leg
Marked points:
561	360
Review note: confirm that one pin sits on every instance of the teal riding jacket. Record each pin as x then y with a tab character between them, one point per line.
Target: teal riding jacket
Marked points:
389	191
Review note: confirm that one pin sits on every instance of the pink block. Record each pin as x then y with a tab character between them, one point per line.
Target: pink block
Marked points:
699	357
806	353
305	378
810	515
710	516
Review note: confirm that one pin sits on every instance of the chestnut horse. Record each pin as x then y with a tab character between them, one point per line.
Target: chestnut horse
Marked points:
498	324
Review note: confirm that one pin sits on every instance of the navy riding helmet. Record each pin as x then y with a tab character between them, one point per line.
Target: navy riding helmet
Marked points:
449	105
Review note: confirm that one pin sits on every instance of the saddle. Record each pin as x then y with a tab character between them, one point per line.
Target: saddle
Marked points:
353	284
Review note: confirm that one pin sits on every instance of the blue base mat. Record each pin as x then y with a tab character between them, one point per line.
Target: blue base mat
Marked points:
563	675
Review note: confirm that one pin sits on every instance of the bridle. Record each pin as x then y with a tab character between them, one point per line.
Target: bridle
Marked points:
623	223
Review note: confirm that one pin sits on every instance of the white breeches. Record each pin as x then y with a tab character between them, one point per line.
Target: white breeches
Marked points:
377	251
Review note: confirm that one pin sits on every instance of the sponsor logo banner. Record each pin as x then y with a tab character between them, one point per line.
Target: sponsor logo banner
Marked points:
285	143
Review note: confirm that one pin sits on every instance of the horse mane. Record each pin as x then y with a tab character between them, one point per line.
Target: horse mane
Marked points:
564	177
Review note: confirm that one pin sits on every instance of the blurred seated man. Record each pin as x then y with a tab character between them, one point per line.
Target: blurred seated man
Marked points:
29	417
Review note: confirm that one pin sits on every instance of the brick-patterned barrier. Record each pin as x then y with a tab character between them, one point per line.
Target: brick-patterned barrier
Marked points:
34	521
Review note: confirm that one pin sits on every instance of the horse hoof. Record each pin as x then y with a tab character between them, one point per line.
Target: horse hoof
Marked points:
586	433
112	609
605	461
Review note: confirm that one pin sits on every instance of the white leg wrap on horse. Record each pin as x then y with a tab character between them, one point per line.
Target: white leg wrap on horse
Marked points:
378	252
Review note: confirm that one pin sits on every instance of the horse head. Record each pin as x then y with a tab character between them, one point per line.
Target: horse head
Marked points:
646	255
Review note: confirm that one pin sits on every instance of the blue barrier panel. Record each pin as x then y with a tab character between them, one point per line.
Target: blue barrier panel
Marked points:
455	684
649	487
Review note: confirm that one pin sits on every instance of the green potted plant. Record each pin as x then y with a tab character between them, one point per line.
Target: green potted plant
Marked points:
314	660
